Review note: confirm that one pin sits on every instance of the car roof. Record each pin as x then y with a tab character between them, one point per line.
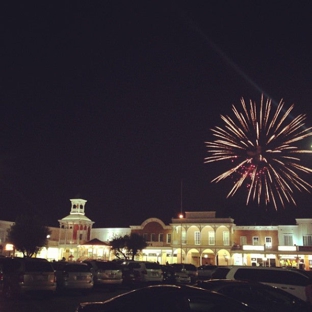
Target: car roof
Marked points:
167	290
253	267
301	272
220	281
30	259
186	265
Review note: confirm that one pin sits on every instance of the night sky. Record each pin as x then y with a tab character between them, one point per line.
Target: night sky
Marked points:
112	102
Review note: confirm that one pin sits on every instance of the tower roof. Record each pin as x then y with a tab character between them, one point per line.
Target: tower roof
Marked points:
75	217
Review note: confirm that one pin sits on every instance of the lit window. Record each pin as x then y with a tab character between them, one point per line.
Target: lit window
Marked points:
226	238
211	238
197	237
153	237
307	240
9	247
160	237
268	242
255	240
169	238
243	240
183	236
288	240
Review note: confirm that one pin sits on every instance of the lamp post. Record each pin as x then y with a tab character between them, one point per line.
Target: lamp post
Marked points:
181	217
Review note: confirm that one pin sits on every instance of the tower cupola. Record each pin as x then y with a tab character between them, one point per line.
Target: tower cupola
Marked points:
77	206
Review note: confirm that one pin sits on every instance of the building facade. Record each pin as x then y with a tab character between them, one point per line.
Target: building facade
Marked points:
158	238
196	237
254	245
201	238
75	230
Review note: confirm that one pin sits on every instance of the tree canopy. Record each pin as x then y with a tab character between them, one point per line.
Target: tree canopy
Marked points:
28	234
128	245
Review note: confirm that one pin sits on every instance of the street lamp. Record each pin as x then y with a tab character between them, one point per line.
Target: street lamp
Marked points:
181	217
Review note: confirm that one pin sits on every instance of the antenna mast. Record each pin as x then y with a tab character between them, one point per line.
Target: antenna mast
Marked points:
181	196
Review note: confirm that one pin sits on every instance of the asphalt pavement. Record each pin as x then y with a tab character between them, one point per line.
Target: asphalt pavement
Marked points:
57	303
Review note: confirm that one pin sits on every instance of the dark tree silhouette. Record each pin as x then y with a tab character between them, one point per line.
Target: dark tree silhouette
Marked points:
135	244
128	245
28	234
118	245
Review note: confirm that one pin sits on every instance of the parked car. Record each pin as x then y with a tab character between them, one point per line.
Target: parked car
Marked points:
130	278
205	271
220	272
167	298
22	276
1	273
171	276
190	269
304	272
291	281
263	298
147	272
106	273
73	276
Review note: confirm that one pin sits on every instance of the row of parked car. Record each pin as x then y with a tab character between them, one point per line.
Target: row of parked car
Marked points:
25	275
294	281
225	288
212	296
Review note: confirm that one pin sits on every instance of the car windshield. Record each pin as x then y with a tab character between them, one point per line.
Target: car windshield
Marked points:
76	268
58	265
152	265
134	265
183	267
207	267
220	273
107	265
35	266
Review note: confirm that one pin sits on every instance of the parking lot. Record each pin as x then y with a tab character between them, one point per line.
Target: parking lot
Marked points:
58	303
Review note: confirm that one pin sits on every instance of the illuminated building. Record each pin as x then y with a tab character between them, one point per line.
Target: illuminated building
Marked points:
198	238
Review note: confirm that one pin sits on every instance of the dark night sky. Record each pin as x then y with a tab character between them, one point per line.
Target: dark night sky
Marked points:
112	101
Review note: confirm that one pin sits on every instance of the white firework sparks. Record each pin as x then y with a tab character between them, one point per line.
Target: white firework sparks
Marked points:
261	144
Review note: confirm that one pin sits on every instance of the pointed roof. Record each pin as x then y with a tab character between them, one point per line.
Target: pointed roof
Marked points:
75	217
96	242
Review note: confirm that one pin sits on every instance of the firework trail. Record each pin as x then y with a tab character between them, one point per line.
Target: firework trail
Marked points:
260	143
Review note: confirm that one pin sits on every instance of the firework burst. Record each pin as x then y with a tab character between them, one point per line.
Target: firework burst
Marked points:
260	143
